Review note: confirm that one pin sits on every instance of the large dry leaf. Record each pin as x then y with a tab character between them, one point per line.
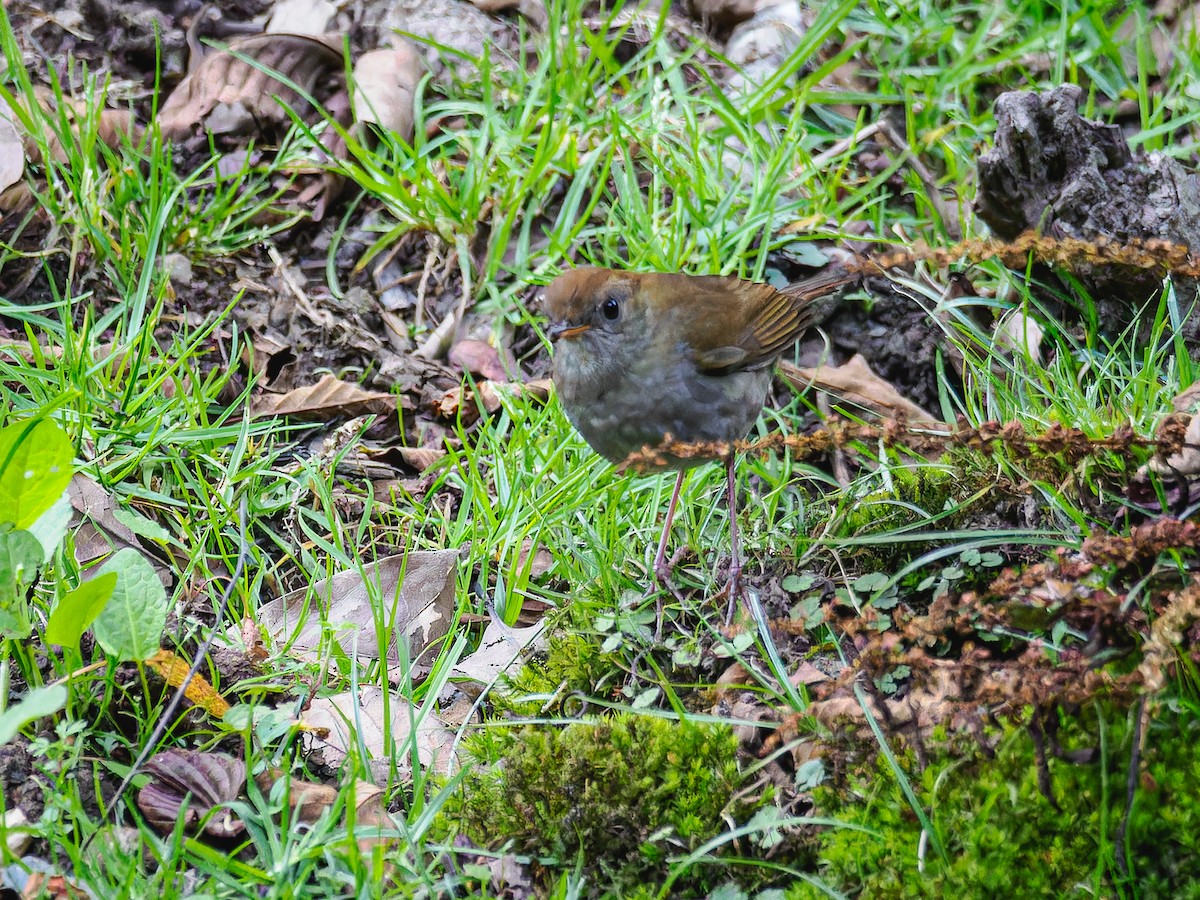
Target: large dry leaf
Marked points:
417	592
224	80
199	690
922	709
382	723
326	399
385	83
854	382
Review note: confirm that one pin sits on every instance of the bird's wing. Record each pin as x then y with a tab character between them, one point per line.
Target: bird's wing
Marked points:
733	324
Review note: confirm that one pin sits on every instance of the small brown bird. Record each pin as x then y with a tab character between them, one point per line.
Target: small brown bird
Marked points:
640	357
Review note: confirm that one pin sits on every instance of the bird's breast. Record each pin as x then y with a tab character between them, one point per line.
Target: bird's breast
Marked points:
623	402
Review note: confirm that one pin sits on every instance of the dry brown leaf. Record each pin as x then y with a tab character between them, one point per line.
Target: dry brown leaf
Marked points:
1187	400
56	887
385	83
420	458
112	126
462	402
807	673
326	399
854	382
246	93
479	358
1187	460
417	592
921	709
310	800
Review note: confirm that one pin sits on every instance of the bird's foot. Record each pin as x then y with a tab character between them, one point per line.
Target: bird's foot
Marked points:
663	571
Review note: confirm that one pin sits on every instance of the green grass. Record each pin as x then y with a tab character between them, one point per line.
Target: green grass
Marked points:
586	149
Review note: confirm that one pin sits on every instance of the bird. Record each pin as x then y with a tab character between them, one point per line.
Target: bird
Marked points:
641	359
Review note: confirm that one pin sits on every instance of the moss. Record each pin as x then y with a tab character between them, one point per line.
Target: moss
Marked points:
1004	838
915	496
624	793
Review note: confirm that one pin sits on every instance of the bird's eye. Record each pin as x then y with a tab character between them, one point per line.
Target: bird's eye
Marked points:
611	309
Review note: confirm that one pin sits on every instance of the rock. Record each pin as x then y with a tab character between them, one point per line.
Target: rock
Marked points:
1065	176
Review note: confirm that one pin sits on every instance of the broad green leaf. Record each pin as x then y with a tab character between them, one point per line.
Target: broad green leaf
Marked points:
130	625
20	557
38	703
78	609
35	469
51	526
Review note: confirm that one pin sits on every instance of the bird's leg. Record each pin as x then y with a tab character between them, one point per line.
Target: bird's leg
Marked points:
735	556
662	568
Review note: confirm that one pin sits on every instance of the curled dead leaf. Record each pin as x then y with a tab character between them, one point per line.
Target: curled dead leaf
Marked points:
12	150
464	403
195	783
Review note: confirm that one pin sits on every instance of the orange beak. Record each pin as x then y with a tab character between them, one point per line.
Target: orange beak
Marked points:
554	332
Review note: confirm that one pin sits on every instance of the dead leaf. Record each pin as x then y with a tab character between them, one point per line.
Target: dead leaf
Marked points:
1187	461
382	724
310	17
309	801
854	382
173	669
197	783
500	647
463	402
12	149
1020	334
56	887
112	126
479	358
102	525
417	592
324	400
244	95
807	673
1187	400
385	83
921	709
